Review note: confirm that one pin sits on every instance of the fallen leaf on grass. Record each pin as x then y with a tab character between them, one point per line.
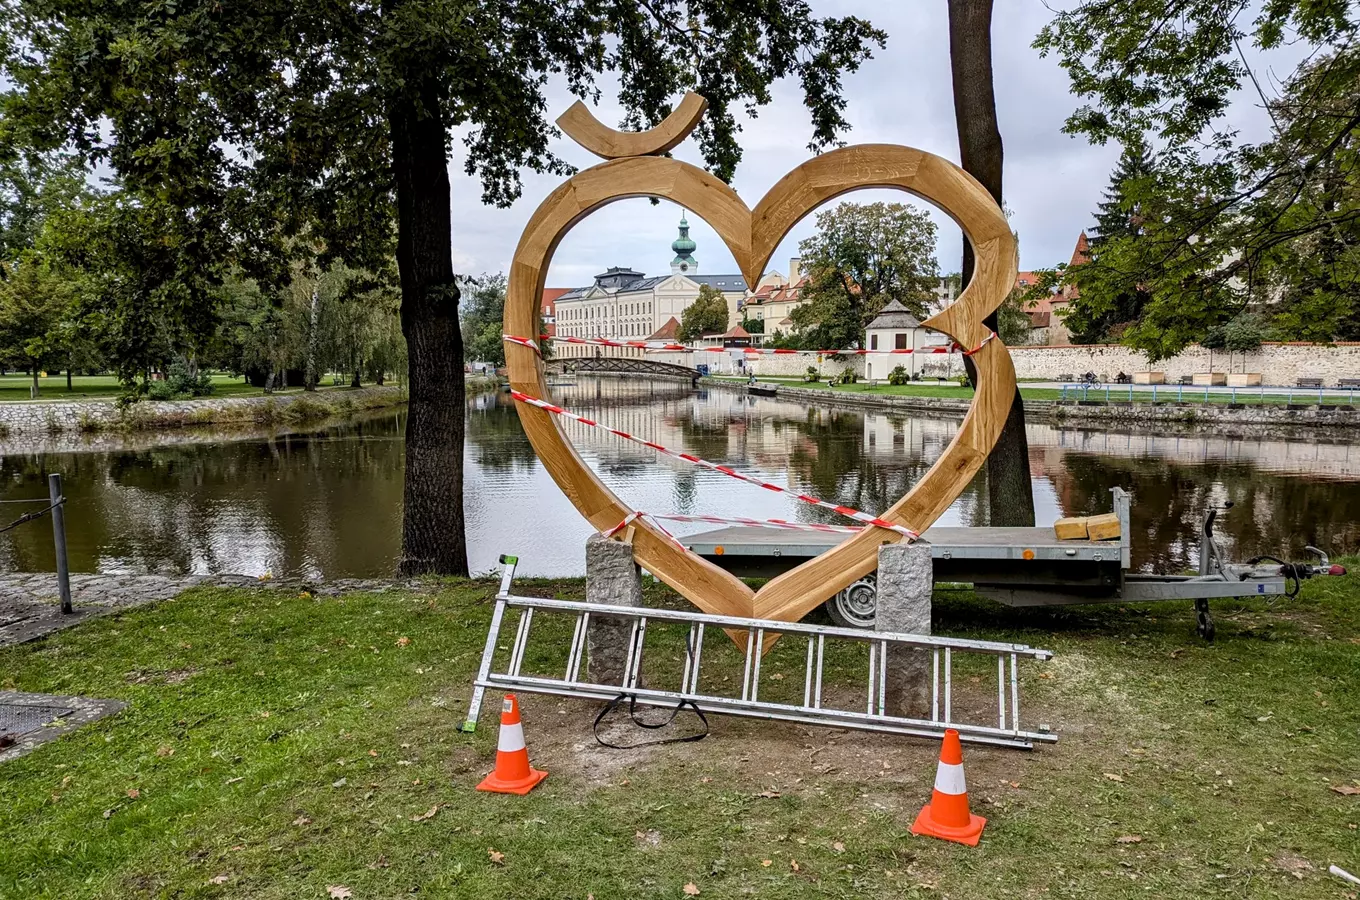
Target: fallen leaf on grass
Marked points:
163	752
1346	789
403	641
219	879
133	793
767	863
838	847
793	864
691	889
234	780
768	794
1129	839
497	857
381	863
428	814
1113	777
338	892
340	782
302	820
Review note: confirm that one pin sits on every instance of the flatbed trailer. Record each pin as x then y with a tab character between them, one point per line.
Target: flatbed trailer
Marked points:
1014	566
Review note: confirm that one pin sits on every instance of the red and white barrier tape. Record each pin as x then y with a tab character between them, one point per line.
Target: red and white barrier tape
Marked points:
653	347
738	520
725	470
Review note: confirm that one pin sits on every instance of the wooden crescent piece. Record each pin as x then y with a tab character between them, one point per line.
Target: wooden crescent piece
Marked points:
752	238
581	125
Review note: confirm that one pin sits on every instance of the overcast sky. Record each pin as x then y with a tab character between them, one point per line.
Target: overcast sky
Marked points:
903	95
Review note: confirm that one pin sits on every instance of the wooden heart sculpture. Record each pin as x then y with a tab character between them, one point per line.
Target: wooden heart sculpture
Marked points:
632	170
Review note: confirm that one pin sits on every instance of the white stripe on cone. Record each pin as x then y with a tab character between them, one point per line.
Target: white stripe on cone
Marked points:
512	739
949	779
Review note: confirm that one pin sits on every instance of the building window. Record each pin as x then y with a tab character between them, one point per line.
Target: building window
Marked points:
873	342
900	340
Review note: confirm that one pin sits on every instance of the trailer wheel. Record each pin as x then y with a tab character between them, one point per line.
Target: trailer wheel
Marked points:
857	605
1204	623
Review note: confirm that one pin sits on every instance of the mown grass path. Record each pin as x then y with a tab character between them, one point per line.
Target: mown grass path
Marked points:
277	745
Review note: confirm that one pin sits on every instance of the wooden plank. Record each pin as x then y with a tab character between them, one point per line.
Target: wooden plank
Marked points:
1070	529
580	123
1103	528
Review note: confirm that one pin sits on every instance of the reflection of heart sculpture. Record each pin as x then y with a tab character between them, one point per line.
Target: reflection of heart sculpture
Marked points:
752	238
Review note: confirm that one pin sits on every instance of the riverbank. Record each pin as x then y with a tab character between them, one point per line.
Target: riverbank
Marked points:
954	401
278	745
98	415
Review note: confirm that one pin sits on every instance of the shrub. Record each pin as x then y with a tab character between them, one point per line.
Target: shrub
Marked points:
848	377
160	390
811	374
898	376
182	382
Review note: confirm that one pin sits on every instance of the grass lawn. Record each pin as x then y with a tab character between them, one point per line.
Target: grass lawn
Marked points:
85	387
1118	392
278	745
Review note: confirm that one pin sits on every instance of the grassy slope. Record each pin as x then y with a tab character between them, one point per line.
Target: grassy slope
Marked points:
86	387
288	742
1118	393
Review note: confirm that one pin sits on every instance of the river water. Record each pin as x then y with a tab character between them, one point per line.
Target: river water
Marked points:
327	503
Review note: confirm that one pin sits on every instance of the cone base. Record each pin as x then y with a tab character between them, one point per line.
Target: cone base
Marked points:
521	787
968	834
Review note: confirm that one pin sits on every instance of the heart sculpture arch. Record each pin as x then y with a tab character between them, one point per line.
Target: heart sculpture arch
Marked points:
752	237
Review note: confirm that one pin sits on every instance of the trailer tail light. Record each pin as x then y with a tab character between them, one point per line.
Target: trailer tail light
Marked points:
1336	570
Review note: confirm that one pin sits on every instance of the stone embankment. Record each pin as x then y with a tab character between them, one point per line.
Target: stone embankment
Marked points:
1058	412
89	416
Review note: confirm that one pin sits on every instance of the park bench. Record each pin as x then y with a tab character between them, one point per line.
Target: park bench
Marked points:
1349	383
1308	382
1066	379
1186	379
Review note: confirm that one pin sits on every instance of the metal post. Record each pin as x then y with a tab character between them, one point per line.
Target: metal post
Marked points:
1154	395
59	539
1180	392
1107	393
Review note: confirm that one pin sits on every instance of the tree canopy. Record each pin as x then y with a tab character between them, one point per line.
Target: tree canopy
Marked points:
1225	224
706	315
862	256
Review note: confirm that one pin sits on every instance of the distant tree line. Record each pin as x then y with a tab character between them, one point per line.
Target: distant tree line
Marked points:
95	280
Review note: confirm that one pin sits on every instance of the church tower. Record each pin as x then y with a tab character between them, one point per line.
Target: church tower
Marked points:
684	262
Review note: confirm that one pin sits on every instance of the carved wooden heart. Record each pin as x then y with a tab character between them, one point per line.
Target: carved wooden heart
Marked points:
752	237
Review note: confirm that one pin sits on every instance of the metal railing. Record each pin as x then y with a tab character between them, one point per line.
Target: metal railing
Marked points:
56	505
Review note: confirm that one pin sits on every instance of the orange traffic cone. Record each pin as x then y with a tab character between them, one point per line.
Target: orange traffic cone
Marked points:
513	774
946	815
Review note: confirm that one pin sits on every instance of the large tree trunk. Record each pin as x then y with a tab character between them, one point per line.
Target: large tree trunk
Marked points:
433	533
312	376
1010	496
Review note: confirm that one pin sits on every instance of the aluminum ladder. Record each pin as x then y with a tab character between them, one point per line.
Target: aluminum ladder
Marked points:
1007	732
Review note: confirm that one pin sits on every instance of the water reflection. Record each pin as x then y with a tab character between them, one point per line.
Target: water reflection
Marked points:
327	503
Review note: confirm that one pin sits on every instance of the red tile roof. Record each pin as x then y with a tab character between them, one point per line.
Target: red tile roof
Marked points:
668	332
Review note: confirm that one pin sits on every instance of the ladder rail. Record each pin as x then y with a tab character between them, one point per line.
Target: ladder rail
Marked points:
758	634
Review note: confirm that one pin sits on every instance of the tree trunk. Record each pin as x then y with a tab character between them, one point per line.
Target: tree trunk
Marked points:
309	382
34	393
1009	493
433	532
68	379
354	382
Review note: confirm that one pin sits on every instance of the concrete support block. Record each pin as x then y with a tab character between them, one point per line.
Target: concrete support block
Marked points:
905	584
613	578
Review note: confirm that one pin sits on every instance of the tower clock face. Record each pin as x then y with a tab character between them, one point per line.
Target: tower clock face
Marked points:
684	267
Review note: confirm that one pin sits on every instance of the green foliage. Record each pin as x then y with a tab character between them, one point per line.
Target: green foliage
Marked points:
811	374
898	375
183	379
847	376
862	256
1225	225
36	302
160	390
754	326
483	316
1012	322
706	315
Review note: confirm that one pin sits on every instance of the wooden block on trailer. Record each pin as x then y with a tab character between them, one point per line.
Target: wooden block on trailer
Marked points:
1103	528
1070	529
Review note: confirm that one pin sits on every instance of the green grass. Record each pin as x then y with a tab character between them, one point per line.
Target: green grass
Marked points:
1118	393
86	387
282	744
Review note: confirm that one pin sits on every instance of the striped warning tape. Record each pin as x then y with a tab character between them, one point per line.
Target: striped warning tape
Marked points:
738	520
655	347
725	470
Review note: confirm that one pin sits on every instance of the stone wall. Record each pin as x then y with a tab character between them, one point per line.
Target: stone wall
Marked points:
1279	364
53	417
